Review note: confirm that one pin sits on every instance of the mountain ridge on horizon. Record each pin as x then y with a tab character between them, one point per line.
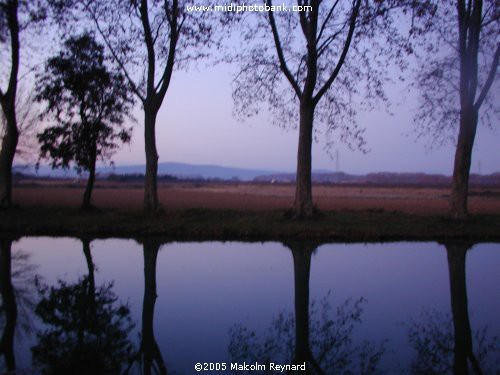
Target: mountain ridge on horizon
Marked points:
218	172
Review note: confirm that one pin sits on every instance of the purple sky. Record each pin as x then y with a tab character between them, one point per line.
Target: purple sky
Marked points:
195	125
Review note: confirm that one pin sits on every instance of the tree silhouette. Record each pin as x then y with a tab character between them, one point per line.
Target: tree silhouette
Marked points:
312	66
85	327
148	40
9	25
459	51
89	105
313	335
16	16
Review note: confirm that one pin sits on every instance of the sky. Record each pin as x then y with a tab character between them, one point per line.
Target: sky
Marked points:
195	125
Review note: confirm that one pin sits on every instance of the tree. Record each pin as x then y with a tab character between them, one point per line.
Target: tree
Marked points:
148	40
89	105
310	66
16	16
9	25
458	61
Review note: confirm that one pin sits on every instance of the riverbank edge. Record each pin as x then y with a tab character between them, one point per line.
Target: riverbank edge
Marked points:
234	225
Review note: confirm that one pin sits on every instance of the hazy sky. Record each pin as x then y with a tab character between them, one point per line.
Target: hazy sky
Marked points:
195	125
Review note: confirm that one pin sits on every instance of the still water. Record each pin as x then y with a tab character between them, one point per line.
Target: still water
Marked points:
122	306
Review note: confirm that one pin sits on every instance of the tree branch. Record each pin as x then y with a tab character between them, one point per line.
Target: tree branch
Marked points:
347	44
283	65
148	39
489	80
323	26
175	30
13	23
120	63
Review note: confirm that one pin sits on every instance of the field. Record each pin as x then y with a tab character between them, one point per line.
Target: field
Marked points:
256	197
249	212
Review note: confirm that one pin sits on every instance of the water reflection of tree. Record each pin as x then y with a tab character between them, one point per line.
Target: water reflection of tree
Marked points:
149	354
446	344
17	298
9	306
322	337
85	328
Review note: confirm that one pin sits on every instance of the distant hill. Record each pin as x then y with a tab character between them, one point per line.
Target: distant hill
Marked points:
183	171
179	170
191	171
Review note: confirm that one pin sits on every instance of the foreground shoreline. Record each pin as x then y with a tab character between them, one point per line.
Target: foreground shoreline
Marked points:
245	225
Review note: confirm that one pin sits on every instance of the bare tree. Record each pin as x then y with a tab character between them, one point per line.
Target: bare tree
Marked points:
15	17
148	40
319	65
458	54
9	30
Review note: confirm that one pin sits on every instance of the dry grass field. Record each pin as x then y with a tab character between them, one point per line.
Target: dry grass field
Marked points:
255	197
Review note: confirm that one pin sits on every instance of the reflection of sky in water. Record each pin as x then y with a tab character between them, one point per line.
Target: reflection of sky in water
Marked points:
205	288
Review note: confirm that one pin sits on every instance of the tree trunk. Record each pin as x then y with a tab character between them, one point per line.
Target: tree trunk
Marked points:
303	205
461	169
87	195
150	351
9	145
9	302
459	306
150	184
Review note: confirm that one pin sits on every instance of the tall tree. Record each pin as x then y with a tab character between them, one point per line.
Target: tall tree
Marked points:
9	33
310	66
89	105
149	40
458	66
16	17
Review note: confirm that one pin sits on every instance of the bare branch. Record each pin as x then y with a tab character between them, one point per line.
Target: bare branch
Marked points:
489	80
283	65
325	22
115	56
347	44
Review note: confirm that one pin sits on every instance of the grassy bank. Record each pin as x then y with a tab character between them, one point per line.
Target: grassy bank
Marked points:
225	225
